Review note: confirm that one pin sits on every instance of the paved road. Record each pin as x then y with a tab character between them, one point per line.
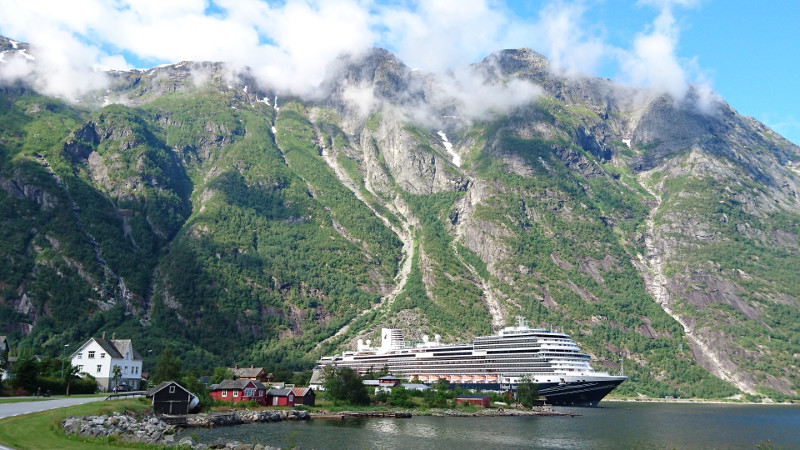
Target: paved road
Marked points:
15	409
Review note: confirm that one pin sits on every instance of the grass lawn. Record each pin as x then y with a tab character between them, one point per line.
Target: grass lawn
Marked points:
41	399
41	430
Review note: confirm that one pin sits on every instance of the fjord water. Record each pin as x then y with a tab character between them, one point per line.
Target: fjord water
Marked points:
614	425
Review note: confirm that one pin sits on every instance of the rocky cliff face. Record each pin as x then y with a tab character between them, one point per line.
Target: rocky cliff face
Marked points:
279	228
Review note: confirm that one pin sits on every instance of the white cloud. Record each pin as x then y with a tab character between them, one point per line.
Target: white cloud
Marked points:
652	61
567	40
289	45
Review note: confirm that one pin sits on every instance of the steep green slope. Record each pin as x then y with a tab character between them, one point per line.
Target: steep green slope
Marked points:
208	218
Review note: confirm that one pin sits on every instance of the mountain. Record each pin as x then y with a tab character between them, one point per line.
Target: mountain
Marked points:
191	206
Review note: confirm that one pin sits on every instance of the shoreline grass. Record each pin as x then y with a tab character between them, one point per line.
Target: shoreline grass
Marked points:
42	430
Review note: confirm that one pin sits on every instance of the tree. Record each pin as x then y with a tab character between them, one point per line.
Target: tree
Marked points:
168	367
400	397
117	374
25	372
438	396
221	373
344	385
527	392
69	375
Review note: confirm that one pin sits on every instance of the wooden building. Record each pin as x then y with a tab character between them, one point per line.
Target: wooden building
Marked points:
240	390
477	400
251	373
304	396
171	398
280	397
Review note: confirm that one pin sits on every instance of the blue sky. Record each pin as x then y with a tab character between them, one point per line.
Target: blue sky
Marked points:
746	51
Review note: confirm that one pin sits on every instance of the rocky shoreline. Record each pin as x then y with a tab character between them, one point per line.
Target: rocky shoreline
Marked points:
149	429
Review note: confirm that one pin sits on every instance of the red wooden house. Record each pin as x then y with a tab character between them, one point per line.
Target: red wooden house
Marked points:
239	391
280	397
477	400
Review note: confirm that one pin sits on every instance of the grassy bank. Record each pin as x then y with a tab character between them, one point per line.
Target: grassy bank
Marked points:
41	399
42	431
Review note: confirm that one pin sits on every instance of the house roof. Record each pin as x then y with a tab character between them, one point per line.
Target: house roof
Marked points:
316	377
152	391
236	384
280	392
388	378
473	396
301	391
247	372
116	348
416	386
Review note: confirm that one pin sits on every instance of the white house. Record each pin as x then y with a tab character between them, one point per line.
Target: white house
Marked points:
98	356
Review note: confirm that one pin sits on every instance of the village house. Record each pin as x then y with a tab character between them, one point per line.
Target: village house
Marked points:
317	381
251	373
304	396
240	390
383	384
477	400
98	357
170	397
280	397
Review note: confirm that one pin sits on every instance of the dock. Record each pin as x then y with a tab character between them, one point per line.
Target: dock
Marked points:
380	414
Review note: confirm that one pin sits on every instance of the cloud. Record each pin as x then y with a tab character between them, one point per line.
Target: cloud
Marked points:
568	41
290	45
652	61
442	34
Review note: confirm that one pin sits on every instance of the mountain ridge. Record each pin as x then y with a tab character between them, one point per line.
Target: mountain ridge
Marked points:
288	228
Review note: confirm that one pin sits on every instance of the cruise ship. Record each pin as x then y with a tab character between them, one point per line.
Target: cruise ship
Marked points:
489	363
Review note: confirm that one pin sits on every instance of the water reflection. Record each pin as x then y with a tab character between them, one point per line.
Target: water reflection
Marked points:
616	425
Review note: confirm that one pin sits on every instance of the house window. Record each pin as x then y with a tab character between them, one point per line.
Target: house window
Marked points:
80	368
249	392
80	355
127	355
260	392
235	393
99	368
224	393
172	389
102	356
126	369
91	355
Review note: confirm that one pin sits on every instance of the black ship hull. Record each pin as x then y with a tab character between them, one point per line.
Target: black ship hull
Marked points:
580	393
574	393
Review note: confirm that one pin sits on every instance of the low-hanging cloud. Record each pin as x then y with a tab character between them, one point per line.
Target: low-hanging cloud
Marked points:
289	45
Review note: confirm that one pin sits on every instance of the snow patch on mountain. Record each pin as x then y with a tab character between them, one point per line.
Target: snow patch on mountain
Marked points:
449	147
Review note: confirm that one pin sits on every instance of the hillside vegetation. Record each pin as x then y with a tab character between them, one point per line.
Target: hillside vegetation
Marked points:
235	229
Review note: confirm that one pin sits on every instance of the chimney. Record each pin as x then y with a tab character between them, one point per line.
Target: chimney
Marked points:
252	366
113	336
236	366
104	335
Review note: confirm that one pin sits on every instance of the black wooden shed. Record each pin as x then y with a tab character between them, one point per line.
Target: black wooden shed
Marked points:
171	398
